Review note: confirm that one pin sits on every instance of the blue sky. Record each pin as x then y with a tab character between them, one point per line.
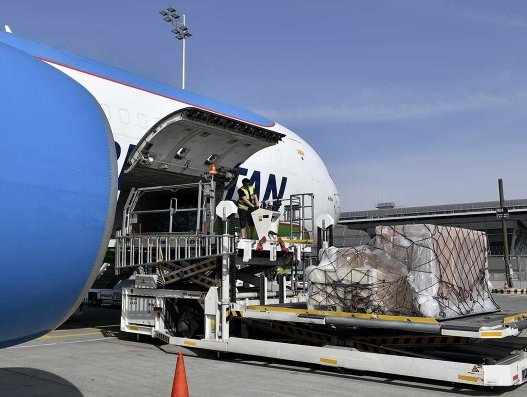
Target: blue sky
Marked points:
419	102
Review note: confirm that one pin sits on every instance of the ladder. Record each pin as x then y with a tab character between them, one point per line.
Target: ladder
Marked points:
302	216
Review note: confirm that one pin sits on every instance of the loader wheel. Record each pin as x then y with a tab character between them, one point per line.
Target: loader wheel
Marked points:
190	319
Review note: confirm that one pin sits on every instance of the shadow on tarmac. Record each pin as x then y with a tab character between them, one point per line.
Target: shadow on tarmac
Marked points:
93	317
31	382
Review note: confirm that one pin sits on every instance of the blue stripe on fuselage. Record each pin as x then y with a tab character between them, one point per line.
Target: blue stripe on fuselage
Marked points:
121	76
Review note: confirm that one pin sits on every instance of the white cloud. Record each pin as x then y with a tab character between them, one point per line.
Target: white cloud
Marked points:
430	177
377	111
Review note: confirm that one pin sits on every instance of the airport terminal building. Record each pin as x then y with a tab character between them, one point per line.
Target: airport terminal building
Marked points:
358	227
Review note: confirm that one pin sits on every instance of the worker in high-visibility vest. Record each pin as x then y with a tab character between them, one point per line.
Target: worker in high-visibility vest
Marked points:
247	203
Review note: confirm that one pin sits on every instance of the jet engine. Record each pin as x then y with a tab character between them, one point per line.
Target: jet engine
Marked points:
58	190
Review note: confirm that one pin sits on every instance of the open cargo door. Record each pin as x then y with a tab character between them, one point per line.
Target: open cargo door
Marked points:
181	147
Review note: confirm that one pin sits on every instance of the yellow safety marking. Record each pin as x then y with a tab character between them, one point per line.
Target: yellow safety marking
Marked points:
190	343
69	335
328	361
467	378
302	333
233	313
165	338
305	241
300	152
132	327
514	318
509	291
384	317
190	271
197	278
491	334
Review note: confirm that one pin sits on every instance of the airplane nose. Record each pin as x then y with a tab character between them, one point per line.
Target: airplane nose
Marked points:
57	194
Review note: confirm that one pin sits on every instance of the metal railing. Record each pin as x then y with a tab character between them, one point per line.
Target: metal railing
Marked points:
202	208
147	250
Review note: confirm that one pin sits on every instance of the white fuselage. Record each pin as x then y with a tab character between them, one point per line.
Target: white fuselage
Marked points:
292	164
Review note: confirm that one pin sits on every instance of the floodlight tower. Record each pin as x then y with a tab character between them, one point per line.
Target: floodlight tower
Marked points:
180	31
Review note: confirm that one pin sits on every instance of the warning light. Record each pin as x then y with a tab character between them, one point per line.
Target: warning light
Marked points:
213	170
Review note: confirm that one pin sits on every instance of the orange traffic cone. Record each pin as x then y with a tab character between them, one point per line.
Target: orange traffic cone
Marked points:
180	387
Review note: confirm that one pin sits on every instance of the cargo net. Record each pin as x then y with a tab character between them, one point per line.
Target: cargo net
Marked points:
418	270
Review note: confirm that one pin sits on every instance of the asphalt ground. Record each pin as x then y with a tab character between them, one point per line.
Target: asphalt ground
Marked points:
92	358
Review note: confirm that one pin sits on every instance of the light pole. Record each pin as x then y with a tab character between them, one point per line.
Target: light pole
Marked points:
180	31
503	213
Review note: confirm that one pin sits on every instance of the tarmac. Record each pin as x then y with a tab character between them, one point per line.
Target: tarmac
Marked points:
92	358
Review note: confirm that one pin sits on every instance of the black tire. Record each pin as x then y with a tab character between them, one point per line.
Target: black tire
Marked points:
190	318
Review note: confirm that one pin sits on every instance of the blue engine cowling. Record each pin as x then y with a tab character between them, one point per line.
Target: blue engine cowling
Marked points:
58	194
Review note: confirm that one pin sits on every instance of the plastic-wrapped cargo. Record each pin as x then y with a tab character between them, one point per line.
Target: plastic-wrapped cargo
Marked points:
422	270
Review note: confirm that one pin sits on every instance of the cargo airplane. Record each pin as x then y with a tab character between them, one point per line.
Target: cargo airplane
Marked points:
74	132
